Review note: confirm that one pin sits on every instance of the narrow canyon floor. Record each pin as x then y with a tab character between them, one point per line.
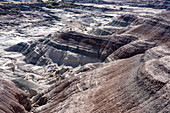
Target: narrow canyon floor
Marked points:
94	58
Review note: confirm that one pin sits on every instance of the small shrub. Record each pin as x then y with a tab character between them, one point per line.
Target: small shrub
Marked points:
121	8
59	5
39	0
16	9
50	6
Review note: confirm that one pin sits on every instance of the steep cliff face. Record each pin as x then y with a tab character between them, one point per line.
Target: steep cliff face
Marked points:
12	99
152	33
71	48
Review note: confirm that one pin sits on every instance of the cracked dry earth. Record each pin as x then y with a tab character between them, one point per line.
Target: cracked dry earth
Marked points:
85	59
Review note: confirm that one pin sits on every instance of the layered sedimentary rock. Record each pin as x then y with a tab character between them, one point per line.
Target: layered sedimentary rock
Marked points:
151	32
137	84
127	70
135	79
71	48
12	99
164	4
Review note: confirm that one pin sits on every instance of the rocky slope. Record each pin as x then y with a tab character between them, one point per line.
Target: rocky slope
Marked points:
90	58
70	49
163	4
135	79
12	99
137	84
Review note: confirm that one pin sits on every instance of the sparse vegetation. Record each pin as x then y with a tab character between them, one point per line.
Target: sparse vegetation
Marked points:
59	5
39	0
6	8
16	9
121	8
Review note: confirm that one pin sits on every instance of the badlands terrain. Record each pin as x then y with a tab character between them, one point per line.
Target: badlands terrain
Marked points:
110	56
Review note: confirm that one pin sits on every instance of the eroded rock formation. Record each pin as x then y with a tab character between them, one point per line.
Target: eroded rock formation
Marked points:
71	48
13	99
127	70
137	84
135	79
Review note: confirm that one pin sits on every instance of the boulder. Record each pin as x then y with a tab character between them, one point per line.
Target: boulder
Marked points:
29	87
